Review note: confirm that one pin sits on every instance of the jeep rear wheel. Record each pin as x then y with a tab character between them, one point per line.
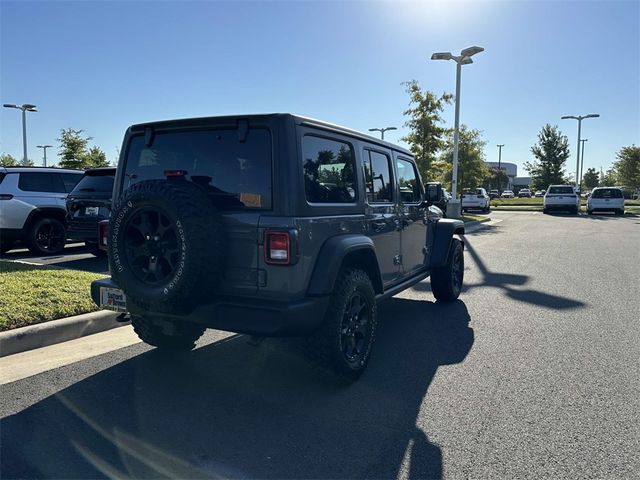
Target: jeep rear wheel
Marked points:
47	236
446	281
342	345
167	335
165	245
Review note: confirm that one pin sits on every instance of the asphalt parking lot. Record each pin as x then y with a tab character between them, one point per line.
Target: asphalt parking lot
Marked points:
533	373
74	256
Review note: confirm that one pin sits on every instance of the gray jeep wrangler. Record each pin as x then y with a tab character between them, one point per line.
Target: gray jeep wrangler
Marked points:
271	225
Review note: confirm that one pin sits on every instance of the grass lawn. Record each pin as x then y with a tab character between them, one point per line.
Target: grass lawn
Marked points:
35	293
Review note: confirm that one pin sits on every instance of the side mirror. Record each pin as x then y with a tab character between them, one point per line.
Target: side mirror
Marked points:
433	193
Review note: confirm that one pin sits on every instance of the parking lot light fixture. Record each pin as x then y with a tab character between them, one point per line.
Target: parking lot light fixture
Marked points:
499	168
26	107
44	147
453	207
579	118
382	130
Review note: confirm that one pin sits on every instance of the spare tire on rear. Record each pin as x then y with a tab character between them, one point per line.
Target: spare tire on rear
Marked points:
165	245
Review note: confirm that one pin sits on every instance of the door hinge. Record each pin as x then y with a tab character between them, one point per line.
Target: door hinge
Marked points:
397	260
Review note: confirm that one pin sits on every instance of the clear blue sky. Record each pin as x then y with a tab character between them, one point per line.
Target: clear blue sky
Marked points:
101	66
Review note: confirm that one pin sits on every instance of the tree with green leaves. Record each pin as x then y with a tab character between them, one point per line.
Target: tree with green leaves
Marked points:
591	179
627	167
74	151
551	153
609	178
472	168
95	158
426	136
7	160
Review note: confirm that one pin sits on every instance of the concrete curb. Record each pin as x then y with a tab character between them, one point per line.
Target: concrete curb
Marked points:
57	331
476	222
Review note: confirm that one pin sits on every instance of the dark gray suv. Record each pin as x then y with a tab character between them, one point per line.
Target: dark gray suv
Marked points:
272	225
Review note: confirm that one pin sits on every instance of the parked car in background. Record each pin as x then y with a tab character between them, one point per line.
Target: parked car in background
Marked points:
561	197
606	199
524	193
539	194
33	209
479	199
88	204
494	194
507	194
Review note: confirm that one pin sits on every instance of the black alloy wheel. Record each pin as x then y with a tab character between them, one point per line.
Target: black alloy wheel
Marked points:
48	236
152	248
355	329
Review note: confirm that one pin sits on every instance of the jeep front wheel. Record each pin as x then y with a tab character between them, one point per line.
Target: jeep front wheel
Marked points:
167	335
446	281
342	345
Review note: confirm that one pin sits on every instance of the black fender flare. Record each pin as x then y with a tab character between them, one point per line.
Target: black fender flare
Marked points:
445	229
350	249
40	212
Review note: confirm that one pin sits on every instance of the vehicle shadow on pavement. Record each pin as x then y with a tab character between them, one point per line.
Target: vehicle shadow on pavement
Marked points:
229	409
506	282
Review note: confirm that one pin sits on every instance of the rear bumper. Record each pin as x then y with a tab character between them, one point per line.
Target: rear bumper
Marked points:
244	315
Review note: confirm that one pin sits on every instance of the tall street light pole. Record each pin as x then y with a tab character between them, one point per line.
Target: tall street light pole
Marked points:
44	147
500	168
382	130
579	118
27	107
582	162
453	206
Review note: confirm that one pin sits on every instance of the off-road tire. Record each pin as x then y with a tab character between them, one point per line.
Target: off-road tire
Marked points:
446	281
187	248
325	348
94	249
39	230
166	335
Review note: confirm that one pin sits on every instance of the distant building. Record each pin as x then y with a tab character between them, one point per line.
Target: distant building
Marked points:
521	182
511	169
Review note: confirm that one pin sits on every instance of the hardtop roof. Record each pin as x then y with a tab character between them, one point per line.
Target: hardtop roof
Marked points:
299	119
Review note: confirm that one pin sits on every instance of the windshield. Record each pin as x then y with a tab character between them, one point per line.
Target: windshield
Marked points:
93	183
565	189
607	193
235	170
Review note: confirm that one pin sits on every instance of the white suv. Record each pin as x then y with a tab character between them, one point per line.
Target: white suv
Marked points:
32	207
561	197
479	200
606	199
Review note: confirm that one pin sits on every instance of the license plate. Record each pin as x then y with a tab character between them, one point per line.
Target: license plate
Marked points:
91	211
113	299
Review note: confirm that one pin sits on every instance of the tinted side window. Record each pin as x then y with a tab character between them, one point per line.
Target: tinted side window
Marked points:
37	182
377	171
408	182
328	170
70	180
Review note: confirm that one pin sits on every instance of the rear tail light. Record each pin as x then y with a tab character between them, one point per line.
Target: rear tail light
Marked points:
277	248
103	233
5	196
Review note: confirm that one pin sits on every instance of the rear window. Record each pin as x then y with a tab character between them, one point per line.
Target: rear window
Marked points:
561	189
93	183
237	171
479	191
607	193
